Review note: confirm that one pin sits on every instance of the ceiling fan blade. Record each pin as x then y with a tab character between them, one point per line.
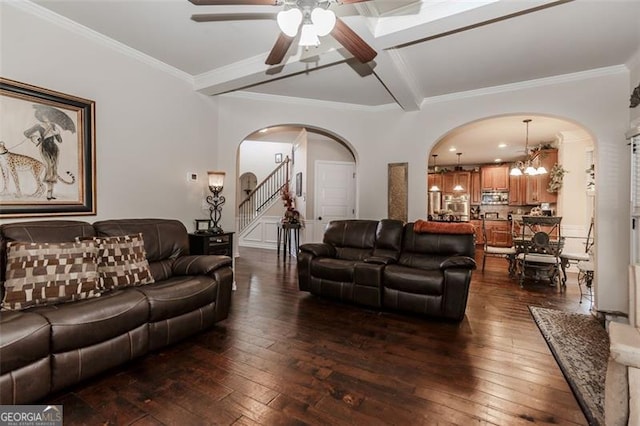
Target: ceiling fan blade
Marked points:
235	2
211	17
353	42
283	43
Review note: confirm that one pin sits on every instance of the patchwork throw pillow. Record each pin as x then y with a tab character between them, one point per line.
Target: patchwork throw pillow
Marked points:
48	273
122	261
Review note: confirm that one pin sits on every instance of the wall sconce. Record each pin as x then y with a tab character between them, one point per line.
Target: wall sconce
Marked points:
216	183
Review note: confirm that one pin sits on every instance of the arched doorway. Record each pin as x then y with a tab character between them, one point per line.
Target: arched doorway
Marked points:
304	150
247	183
495	144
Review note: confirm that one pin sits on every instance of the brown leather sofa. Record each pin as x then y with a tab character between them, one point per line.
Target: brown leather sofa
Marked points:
385	264
45	349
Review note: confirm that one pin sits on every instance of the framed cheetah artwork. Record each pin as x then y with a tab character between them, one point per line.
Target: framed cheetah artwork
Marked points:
47	152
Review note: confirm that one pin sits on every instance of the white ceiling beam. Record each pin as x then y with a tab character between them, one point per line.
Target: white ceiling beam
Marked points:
398	79
253	71
389	68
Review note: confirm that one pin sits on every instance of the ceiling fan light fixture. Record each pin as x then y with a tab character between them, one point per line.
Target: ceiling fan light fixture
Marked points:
323	21
289	21
308	36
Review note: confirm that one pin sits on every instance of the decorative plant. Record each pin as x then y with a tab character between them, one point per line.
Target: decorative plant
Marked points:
541	148
291	215
556	175
591	179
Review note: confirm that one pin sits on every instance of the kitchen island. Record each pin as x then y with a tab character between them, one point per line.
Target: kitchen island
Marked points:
498	232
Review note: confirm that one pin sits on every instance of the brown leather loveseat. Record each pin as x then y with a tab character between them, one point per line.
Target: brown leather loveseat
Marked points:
423	267
46	348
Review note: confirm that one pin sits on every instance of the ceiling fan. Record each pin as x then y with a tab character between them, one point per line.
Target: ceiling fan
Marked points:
310	18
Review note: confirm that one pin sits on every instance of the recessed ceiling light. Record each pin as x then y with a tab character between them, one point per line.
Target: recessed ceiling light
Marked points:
498	160
452	149
502	145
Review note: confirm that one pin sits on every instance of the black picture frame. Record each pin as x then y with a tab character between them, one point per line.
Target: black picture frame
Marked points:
299	184
203	226
53	135
279	158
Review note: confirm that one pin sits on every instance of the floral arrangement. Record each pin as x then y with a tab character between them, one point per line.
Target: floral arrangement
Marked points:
556	175
291	215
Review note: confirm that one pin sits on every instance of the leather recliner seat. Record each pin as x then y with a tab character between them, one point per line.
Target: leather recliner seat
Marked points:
388	264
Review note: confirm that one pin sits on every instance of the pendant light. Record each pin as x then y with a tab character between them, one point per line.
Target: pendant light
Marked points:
526	166
434	188
458	187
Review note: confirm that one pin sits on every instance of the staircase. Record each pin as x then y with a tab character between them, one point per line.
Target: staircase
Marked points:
263	195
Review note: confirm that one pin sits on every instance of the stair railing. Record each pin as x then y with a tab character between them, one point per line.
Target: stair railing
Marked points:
264	194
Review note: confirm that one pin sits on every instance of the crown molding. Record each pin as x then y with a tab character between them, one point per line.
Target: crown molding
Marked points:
310	102
528	84
72	26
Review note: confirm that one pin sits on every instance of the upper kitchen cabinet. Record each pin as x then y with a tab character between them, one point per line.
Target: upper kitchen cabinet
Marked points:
495	178
537	185
517	190
451	179
476	192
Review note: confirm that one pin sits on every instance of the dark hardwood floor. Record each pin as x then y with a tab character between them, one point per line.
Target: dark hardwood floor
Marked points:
286	357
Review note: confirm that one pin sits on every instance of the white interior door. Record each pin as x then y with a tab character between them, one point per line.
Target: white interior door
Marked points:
335	188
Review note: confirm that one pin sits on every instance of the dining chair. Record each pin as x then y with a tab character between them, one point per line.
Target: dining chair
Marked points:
585	278
540	247
569	258
506	252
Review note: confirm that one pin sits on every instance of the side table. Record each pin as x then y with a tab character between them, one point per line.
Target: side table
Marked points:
203	243
286	233
215	244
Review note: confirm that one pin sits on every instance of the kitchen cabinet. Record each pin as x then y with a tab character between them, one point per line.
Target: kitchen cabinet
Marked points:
517	190
476	191
499	233
434	179
537	185
451	179
495	178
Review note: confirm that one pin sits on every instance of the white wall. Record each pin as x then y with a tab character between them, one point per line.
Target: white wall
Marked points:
574	205
634	81
151	127
301	150
597	101
258	157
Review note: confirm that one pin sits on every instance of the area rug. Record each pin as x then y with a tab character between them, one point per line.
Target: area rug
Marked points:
580	345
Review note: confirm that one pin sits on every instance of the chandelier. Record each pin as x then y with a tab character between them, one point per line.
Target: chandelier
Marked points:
316	19
527	166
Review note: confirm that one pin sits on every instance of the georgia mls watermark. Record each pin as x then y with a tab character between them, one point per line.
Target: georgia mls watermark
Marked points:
30	415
